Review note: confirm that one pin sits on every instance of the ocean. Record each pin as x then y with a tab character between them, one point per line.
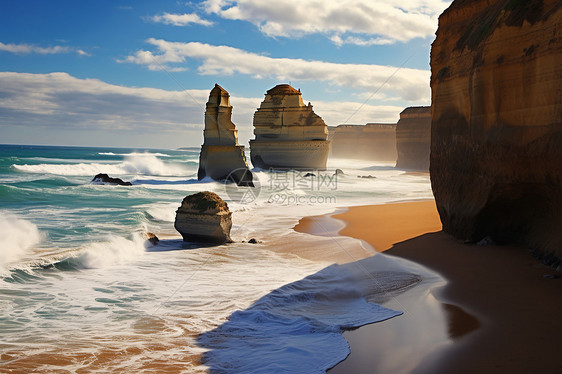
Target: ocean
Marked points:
82	291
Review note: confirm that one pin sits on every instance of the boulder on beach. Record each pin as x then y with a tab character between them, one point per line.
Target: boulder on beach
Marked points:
106	179
204	217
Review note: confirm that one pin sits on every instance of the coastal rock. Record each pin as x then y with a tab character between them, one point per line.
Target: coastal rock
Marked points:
106	179
288	133
151	238
204	217
413	138
373	141
221	156
496	149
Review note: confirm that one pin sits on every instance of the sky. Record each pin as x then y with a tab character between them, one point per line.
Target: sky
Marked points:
138	73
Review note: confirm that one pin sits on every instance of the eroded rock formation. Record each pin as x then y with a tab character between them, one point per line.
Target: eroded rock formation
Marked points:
496	149
204	217
413	138
288	133
373	141
221	156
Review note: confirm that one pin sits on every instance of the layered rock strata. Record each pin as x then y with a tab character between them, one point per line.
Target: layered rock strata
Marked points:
496	149
204	217
373	141
413	138
288	133
221	156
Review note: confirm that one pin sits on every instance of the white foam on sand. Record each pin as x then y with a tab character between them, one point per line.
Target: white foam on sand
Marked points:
296	328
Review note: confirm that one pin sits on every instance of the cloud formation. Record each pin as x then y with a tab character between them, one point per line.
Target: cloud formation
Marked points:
25	49
343	21
180	19
57	103
411	85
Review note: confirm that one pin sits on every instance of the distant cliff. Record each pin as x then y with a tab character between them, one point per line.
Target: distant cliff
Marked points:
496	148
413	138
373	141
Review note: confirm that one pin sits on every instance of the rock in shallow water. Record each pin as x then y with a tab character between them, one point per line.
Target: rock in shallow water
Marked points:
106	179
204	217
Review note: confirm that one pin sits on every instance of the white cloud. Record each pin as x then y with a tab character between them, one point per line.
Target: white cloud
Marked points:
407	84
180	19
339	41
57	104
24	49
344	20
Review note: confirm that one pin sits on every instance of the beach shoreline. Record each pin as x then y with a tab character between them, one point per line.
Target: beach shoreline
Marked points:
500	304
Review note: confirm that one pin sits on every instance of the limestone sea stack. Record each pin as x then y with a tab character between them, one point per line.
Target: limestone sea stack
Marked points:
221	156
496	148
413	138
204	217
288	133
373	141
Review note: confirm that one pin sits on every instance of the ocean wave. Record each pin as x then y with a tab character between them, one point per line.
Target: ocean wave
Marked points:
146	164
295	328
157	154
17	238
117	250
163	212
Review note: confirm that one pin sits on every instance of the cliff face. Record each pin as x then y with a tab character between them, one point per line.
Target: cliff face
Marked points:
496	147
373	141
413	138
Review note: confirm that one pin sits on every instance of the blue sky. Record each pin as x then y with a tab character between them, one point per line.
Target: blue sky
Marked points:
138	73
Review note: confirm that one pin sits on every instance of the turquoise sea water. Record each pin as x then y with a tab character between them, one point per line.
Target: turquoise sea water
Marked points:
81	290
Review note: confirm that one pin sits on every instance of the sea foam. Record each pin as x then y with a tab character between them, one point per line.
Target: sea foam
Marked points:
296	328
17	237
134	154
144	164
116	250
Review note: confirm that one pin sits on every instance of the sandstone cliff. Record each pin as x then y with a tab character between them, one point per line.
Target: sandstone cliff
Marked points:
373	141
221	157
496	148
288	133
413	138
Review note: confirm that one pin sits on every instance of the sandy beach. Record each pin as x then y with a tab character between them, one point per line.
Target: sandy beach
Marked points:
499	306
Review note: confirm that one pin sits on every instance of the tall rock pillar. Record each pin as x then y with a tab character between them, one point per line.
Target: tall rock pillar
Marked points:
221	156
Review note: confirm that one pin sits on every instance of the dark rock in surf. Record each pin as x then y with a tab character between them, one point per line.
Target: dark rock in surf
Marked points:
106	179
151	238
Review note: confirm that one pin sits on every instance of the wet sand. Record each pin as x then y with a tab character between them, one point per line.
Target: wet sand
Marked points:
499	308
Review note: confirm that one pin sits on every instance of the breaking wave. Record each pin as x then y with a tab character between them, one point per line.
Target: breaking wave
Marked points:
145	164
17	237
134	154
